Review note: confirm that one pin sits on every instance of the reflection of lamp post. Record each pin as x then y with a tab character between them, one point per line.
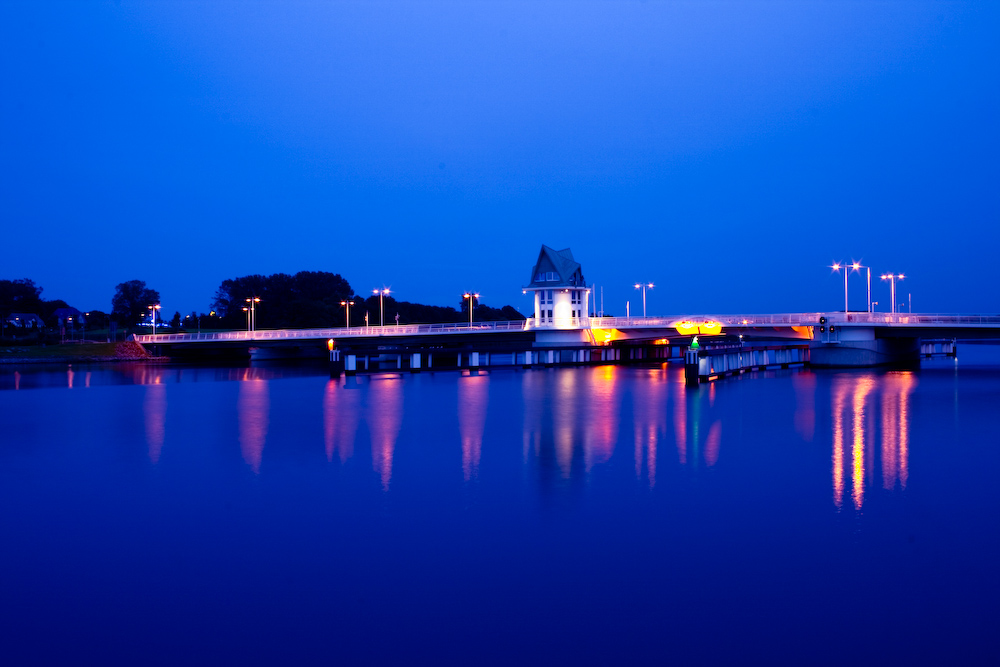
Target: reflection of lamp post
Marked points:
252	317
381	304
470	296
892	278
347	305
152	315
643	287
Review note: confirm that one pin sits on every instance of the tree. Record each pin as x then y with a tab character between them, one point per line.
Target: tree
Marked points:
307	299
130	302
19	296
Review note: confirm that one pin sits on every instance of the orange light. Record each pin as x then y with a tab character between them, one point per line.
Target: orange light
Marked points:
710	327
330	344
686	327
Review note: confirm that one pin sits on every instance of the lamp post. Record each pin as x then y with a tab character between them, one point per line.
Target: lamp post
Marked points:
347	305
247	311
643	287
854	266
892	278
381	304
252	317
470	296
152	316
857	266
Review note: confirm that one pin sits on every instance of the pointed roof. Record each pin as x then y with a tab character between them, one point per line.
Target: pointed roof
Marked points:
556	268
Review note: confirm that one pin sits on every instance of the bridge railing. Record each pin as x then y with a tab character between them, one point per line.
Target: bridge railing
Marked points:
913	319
341	332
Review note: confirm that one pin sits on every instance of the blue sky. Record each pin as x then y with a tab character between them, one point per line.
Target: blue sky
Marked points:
728	152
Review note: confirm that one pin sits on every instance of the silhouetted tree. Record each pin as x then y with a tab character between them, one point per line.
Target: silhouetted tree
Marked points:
307	299
129	304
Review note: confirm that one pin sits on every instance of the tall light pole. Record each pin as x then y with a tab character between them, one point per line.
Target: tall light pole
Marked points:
347	305
892	278
643	287
837	266
470	296
252	322
381	304
152	315
857	266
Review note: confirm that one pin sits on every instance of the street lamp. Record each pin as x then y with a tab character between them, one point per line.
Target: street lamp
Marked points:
152	315
643	287
470	296
252	316
892	278
347	305
247	311
854	266
381	304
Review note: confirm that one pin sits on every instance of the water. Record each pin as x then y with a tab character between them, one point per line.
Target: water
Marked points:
156	514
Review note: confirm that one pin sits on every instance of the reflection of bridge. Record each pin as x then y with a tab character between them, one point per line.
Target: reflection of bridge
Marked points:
835	339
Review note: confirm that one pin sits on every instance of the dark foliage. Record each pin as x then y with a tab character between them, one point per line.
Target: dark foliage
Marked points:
307	299
131	301
20	296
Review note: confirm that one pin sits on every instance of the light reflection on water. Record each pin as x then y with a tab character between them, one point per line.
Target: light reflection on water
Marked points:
253	406
473	398
894	391
576	412
385	417
722	491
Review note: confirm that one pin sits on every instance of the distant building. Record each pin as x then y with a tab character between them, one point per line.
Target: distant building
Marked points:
562	298
69	316
24	321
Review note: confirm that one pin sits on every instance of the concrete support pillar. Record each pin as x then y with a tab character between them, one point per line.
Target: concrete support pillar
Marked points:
474	360
336	365
430	358
399	362
415	362
351	365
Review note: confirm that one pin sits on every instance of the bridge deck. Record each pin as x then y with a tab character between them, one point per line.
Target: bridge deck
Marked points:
915	321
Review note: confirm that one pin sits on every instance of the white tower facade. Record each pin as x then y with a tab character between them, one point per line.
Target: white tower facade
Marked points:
562	298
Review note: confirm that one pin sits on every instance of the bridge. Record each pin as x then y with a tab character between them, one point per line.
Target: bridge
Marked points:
833	339
560	332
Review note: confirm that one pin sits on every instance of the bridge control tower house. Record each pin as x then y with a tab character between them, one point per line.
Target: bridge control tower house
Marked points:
562	298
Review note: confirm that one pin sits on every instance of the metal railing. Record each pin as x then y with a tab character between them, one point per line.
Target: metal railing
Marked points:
583	323
342	332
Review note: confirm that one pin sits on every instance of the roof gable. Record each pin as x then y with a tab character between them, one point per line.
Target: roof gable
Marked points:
556	268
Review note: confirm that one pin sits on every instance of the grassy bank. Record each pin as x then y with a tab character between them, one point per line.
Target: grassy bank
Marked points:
70	352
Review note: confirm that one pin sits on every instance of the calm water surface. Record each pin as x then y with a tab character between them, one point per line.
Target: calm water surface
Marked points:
156	514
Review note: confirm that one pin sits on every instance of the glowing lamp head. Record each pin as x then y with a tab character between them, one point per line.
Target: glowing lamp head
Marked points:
836	266
329	345
901	276
856	266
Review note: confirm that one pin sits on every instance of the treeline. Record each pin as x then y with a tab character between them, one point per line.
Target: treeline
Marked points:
308	299
311	299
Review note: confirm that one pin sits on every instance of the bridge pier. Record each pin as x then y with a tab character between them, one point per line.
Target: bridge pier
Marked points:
350	364
336	364
415	362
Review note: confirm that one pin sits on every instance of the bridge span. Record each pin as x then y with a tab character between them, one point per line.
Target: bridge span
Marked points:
834	339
